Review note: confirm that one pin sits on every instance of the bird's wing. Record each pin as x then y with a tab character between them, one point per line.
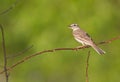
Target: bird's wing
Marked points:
83	36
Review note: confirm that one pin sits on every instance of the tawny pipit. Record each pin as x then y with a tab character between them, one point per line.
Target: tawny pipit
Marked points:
82	37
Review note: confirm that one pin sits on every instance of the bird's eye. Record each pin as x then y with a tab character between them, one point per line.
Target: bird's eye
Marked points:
75	24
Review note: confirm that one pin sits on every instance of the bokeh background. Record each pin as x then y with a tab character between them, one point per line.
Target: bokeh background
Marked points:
44	24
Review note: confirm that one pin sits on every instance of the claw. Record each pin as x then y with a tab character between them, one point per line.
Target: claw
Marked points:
76	49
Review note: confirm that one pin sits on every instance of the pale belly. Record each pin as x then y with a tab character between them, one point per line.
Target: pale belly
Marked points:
82	42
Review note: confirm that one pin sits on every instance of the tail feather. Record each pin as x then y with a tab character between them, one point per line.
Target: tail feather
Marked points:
97	49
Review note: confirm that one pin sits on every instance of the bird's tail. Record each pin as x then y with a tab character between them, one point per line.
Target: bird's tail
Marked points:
97	49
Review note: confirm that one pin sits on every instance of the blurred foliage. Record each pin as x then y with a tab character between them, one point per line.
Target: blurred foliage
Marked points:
44	24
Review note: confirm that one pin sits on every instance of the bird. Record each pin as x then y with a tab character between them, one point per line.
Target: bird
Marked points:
83	37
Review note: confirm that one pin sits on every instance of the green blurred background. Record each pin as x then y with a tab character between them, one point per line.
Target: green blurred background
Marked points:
44	24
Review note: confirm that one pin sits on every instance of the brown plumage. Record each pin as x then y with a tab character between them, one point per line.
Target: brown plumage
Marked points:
82	37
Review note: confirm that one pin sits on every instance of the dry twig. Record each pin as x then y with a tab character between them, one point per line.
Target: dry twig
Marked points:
87	64
4	52
9	8
52	50
19	53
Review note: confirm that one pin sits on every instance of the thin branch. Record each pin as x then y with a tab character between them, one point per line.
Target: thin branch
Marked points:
53	50
109	41
9	8
19	53
4	52
87	64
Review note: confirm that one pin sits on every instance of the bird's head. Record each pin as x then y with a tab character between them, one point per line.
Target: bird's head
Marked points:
74	26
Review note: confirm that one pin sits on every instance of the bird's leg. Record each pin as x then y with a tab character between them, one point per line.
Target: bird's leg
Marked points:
76	48
83	44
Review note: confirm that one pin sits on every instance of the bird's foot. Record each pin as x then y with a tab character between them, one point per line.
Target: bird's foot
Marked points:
77	48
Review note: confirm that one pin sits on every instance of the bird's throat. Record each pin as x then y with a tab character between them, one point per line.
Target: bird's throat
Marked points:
75	29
